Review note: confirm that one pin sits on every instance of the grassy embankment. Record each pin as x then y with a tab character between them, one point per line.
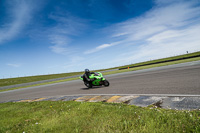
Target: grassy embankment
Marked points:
69	117
20	80
154	65
13	81
169	59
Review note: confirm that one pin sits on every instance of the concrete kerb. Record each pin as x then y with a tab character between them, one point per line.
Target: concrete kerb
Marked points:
179	102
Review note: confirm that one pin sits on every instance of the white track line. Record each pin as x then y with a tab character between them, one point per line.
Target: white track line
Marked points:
167	95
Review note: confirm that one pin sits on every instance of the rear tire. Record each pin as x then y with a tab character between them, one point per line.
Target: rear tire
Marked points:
87	84
106	83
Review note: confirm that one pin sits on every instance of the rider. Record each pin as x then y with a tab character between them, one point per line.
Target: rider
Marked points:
86	76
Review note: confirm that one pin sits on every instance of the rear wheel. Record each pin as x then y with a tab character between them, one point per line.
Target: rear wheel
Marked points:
87	84
106	83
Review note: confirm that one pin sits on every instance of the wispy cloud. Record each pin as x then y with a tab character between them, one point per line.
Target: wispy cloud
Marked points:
100	47
159	19
13	65
60	42
168	29
19	14
61	34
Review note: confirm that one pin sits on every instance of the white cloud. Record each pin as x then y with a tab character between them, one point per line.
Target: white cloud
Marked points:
60	42
157	20
168	29
68	24
100	47
19	14
61	34
164	44
13	65
168	21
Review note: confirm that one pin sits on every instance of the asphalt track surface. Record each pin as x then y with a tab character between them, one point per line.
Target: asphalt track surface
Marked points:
181	79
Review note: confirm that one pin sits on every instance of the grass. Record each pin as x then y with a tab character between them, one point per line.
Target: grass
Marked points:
19	80
71	117
154	65
163	59
52	82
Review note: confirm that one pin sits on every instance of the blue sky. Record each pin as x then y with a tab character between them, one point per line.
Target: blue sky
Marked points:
47	36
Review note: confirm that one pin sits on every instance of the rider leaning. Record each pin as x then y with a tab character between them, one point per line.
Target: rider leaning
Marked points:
86	76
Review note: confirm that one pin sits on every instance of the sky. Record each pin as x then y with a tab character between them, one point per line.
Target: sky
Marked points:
39	37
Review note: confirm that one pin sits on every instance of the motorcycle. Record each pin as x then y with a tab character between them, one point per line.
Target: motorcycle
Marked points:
99	80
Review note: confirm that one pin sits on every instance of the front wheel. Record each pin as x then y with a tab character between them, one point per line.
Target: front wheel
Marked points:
106	83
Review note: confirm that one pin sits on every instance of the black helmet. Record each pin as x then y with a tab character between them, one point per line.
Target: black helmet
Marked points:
87	70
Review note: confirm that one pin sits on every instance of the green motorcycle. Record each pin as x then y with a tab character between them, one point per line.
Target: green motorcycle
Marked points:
98	80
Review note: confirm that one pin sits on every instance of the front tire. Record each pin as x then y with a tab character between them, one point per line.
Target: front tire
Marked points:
106	83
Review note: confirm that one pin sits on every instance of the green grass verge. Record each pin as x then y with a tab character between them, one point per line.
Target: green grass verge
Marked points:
19	80
52	82
112	72
154	65
71	117
163	59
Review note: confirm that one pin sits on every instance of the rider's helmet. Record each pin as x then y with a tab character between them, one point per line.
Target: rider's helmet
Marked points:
87	71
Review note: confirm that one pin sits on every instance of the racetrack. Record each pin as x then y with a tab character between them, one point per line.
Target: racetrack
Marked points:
176	79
